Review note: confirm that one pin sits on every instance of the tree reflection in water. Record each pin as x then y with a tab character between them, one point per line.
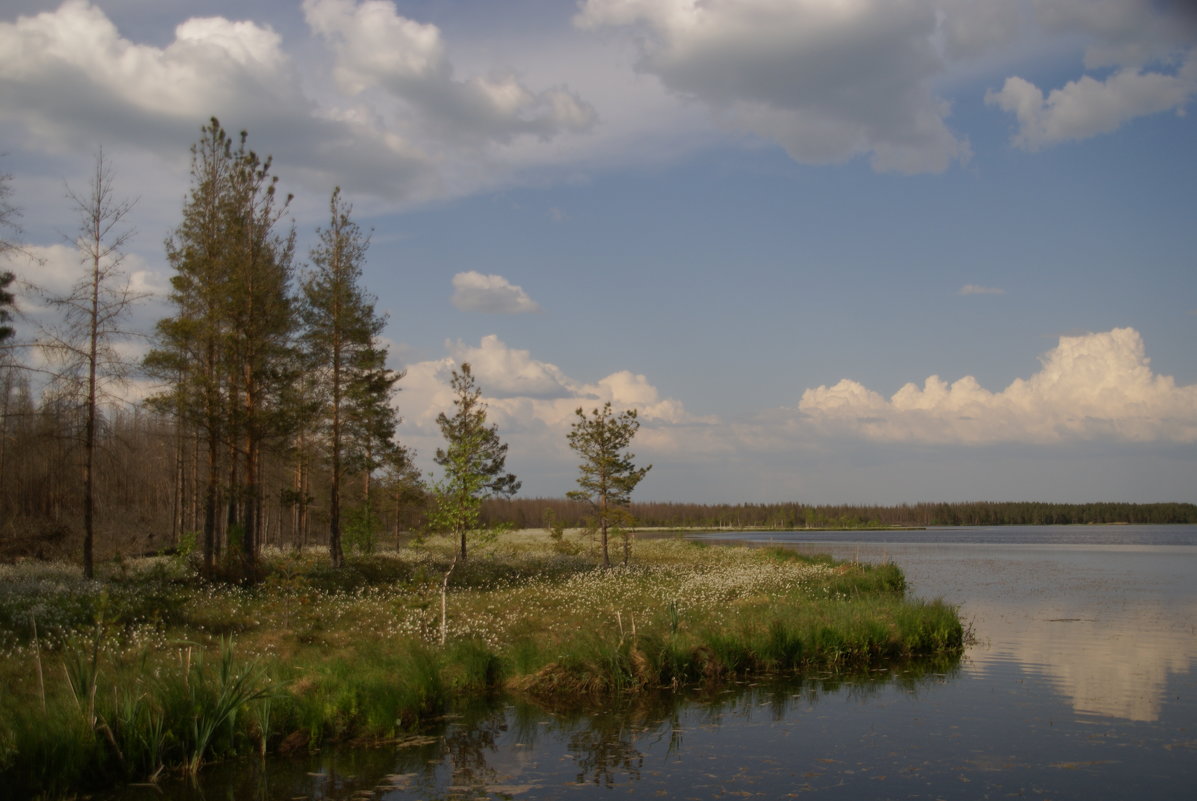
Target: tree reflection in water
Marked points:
467	742
509	747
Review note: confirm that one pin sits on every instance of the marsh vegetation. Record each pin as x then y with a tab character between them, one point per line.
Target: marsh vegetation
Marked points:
149	668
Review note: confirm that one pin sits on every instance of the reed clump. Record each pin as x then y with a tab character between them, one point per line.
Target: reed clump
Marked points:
151	668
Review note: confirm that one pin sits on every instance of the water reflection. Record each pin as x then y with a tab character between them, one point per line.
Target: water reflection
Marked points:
515	747
1081	686
1108	662
1108	627
1106	615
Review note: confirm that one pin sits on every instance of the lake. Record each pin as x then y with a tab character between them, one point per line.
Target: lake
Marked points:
1079	685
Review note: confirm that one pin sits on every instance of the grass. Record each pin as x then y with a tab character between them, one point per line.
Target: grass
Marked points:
150	668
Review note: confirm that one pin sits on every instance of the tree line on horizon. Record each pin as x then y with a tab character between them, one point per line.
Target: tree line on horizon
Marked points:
534	512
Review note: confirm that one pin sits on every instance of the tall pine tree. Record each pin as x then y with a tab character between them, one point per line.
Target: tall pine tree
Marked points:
341	344
227	353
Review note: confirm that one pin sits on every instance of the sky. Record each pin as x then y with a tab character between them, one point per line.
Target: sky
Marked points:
831	251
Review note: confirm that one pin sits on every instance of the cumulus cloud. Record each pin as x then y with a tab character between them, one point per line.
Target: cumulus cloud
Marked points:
977	289
70	79
510	372
531	394
534	404
376	47
475	292
828	81
1087	107
1129	37
399	124
71	67
1095	386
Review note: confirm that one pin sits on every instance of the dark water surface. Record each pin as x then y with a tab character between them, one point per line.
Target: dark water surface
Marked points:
1080	686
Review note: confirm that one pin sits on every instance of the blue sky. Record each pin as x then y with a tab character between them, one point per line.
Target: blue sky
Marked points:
858	251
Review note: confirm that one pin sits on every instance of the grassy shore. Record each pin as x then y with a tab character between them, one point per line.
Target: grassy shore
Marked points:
150	668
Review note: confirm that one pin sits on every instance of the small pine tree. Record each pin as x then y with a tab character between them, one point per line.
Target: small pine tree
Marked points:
608	474
474	462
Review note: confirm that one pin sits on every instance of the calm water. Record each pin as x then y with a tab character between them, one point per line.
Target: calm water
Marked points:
1080	686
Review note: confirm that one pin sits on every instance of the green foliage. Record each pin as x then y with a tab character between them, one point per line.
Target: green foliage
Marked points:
355	650
608	472
361	527
473	462
182	553
352	386
209	701
555	530
227	354
128	721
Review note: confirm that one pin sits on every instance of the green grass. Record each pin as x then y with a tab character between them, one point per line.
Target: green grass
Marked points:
150	668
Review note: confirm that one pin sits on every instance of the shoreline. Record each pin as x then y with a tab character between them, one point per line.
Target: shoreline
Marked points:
313	655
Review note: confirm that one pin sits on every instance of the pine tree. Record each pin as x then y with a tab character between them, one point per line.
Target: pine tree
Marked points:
341	345
263	327
608	473
190	346
228	353
474	461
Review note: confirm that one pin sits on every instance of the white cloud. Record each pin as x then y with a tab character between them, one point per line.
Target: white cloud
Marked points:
531	396
1096	388
475	292
828	81
534	404
376	47
1125	36
510	372
1090	387
398	124
72	67
51	273
1087	107
976	289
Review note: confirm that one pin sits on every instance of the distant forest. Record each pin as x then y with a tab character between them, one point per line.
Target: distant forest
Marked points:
534	512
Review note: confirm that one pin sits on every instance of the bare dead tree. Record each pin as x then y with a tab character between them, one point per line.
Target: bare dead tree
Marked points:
85	344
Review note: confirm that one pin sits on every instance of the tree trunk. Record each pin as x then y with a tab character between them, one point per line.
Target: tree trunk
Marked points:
210	505
603	525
